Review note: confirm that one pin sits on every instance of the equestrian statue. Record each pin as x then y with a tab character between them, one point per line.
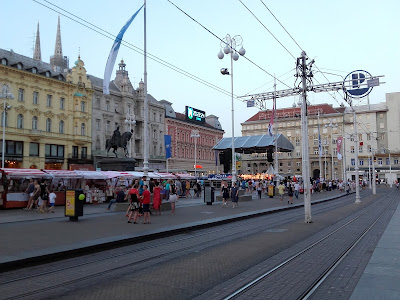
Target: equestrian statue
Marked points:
119	141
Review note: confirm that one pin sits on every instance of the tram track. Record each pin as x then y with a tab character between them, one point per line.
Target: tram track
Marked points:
291	261
41	277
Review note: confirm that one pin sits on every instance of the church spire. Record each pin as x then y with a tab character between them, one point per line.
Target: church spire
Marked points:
37	55
58	48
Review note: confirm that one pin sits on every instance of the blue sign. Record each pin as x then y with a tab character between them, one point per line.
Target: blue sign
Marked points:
355	84
250	103
167	141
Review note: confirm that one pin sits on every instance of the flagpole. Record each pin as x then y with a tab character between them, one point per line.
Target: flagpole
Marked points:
146	106
321	174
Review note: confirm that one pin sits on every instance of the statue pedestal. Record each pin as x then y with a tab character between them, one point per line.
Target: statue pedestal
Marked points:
116	164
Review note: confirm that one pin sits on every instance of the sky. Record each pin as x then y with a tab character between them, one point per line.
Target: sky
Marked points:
342	36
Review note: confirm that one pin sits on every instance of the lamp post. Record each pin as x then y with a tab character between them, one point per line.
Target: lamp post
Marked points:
355	123
130	120
5	94
195	134
228	45
332	126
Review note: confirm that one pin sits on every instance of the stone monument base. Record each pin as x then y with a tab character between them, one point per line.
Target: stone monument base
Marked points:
116	164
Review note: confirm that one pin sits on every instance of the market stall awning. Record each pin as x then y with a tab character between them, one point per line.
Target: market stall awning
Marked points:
165	175
185	176
25	173
116	174
255	144
92	174
64	174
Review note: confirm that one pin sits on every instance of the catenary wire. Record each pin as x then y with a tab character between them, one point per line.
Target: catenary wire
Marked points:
267	29
134	48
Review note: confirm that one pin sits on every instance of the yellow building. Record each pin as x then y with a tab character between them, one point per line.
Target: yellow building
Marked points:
48	123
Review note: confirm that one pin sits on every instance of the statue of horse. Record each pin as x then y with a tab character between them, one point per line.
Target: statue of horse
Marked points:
125	137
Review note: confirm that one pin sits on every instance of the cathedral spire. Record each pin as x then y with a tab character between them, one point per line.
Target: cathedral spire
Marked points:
58	48
37	55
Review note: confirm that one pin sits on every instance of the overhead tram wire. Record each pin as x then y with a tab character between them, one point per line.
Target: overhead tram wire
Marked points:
281	25
213	34
135	48
267	29
271	82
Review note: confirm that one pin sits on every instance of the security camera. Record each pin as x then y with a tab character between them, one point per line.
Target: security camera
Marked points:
224	71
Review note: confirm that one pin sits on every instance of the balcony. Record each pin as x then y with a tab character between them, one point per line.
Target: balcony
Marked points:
35	135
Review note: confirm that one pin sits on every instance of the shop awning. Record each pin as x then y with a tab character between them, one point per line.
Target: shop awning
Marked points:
165	175
92	174
185	176
25	173
65	174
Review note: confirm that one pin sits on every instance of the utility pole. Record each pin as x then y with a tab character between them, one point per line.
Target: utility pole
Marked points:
358	200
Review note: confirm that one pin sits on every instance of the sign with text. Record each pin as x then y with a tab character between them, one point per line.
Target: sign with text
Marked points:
70	203
195	115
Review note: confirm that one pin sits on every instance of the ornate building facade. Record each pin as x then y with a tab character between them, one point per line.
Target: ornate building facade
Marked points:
183	145
124	108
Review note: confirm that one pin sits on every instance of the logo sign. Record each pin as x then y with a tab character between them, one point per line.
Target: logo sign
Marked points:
195	115
250	103
355	85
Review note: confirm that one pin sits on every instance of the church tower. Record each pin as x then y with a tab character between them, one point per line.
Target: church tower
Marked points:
37	55
122	79
58	61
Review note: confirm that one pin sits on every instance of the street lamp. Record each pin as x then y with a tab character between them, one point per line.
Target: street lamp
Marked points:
130	120
228	45
5	94
195	134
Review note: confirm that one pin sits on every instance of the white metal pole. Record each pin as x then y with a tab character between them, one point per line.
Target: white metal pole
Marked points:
369	171
390	171
373	174
195	157
146	104
333	169
305	158
4	132
325	164
343	149
321	175
276	138
358	200
233	122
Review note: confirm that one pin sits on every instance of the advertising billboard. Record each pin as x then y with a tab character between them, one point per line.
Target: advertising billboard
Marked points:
195	115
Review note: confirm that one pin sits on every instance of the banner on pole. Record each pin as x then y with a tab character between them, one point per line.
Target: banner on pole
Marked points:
167	142
339	147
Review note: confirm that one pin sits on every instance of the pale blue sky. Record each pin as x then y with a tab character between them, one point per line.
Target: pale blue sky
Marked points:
341	35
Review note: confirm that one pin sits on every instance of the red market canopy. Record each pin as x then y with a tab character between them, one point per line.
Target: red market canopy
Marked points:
25	173
64	174
92	174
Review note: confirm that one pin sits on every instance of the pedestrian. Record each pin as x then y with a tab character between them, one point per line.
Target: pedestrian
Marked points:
109	193
281	190
44	195
157	198
146	204
29	190
141	185
259	188
290	194
224	193
173	197
36	195
134	206
52	200
296	189
120	197
234	195
188	189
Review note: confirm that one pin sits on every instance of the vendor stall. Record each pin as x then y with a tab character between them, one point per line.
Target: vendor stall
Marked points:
94	184
13	184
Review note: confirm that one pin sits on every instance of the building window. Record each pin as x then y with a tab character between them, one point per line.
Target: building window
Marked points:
35	97
360	137
49	97
298	154
298	164
387	161
396	161
289	154
381	116
74	151
61	127
107	105
83	129
361	162
20	121
48	125
368	136
352	149
47	74
382	136
12	147
54	151
4	118
360	149
353	162
381	125
21	95
107	126
34	70
35	123
84	152
62	103
380	161
351	137
19	66
316	151
98	124
4	61
129	109
33	149
369	148
83	106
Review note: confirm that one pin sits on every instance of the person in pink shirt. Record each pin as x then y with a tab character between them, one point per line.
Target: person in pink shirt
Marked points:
157	198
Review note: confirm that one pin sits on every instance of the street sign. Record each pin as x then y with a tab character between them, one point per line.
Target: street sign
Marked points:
250	103
355	84
373	82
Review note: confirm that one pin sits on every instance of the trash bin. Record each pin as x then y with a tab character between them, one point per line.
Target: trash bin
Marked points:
74	200
209	195
271	190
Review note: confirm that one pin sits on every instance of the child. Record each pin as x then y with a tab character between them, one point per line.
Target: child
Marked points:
52	199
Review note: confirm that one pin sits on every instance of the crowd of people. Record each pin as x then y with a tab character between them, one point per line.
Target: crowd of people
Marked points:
41	197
